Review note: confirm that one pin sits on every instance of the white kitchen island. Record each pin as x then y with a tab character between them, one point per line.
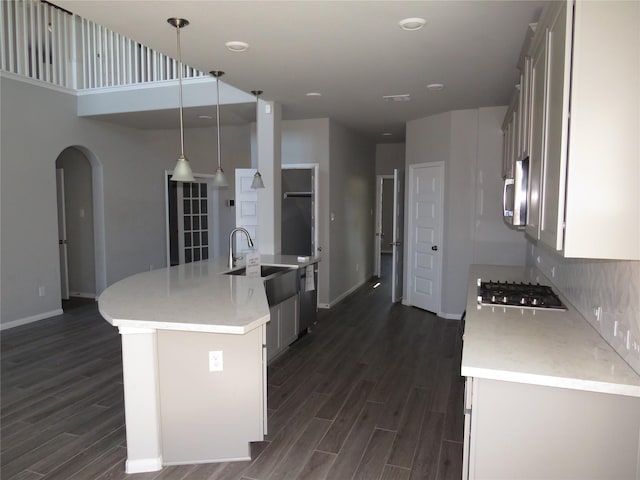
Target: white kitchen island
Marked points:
194	364
546	397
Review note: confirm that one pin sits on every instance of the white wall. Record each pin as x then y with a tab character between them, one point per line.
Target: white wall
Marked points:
389	156
610	284
37	124
469	143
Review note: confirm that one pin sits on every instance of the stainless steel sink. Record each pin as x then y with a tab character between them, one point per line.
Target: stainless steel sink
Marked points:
265	270
280	282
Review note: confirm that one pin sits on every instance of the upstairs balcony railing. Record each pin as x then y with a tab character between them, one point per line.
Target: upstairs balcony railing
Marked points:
41	41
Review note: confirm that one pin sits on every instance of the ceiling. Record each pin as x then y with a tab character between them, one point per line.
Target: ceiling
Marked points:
352	52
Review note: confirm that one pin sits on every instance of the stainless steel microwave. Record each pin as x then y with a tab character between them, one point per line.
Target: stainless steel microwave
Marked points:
514	195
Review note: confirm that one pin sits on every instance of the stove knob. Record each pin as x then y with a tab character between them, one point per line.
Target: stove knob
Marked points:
523	301
493	298
505	299
534	301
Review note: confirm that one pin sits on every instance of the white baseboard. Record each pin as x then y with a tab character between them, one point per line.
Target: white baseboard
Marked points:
82	295
143	465
33	318
450	316
324	306
347	293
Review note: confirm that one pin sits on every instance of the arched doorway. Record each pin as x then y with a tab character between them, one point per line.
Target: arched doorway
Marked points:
81	223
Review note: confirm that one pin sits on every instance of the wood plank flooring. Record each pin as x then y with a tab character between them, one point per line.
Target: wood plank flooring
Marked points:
373	392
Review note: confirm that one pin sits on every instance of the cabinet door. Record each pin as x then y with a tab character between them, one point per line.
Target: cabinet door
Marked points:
538	100
288	321
525	108
555	158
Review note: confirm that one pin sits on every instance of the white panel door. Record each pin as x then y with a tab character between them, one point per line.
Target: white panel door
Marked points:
398	234
425	234
62	236
246	207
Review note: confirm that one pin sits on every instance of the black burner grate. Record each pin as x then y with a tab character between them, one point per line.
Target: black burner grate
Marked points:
523	295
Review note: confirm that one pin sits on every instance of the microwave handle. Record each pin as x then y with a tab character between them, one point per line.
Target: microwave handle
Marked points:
505	211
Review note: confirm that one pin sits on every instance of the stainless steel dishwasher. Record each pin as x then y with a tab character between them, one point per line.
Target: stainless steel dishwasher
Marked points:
308	301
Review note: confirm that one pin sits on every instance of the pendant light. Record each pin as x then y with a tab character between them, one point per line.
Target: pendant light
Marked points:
257	178
219	179
182	171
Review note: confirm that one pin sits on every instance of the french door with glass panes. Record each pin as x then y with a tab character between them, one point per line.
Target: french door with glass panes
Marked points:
192	221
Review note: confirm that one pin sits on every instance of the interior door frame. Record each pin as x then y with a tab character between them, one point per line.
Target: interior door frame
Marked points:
208	178
316	207
62	232
398	240
408	284
377	249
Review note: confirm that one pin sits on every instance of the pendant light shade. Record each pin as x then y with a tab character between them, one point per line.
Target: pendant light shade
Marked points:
257	178
219	179
182	171
257	181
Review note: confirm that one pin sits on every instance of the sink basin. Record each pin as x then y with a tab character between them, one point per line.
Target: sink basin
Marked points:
280	283
265	270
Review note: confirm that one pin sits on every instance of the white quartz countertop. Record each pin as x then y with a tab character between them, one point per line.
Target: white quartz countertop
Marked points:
540	347
194	297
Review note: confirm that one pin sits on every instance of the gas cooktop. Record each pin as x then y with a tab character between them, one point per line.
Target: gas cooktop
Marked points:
519	295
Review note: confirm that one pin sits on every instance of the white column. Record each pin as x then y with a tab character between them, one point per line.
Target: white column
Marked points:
141	399
269	164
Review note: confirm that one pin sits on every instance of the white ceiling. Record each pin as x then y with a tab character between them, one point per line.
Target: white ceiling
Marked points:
353	52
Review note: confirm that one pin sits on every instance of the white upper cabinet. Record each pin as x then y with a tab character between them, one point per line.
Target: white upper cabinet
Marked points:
584	171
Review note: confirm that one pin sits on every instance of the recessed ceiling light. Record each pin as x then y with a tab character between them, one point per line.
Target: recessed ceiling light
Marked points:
314	94
405	97
387	134
235	46
205	117
435	87
411	24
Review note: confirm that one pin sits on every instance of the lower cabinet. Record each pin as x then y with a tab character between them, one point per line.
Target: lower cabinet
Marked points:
282	329
515	430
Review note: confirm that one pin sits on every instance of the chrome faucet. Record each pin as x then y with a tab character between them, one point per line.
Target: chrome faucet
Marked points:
232	258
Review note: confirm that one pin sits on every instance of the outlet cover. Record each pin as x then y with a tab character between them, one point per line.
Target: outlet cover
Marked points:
215	361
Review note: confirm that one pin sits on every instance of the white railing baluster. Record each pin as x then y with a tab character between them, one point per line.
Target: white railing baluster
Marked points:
3	42
41	41
11	33
33	39
112	58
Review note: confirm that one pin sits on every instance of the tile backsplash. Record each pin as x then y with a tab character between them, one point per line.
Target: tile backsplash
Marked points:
612	285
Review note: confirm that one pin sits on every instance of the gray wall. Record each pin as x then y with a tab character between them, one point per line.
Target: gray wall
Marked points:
37	125
469	143
307	141
79	222
388	157
352	200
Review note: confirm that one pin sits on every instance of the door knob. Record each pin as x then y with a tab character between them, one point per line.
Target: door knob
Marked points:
434	248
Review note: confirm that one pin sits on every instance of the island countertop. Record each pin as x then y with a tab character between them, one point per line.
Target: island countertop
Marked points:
540	347
195	297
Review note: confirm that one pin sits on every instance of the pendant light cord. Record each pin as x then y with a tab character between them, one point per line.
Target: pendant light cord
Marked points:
180	94
218	114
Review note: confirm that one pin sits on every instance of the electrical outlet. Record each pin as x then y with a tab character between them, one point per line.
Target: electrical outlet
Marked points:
41	291
215	361
357	267
553	272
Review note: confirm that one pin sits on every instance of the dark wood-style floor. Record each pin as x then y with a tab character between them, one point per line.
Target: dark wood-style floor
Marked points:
374	392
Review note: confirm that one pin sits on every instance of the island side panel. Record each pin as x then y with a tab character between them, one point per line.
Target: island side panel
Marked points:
141	399
209	416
